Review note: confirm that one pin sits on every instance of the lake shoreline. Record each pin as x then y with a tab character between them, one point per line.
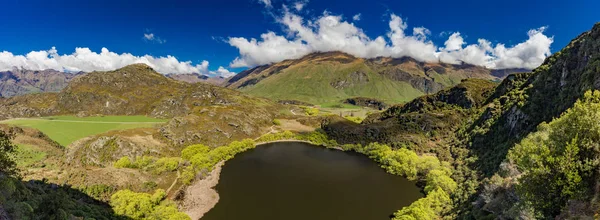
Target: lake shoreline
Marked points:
299	141
201	196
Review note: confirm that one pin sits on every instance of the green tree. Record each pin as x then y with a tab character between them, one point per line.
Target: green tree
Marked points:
7	164
560	162
439	178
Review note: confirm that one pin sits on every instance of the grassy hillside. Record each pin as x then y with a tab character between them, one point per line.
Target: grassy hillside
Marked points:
66	129
312	83
326	78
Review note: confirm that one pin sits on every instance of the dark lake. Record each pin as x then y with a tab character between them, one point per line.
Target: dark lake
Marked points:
298	181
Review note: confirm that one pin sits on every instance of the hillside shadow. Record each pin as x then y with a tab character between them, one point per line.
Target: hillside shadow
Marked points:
38	199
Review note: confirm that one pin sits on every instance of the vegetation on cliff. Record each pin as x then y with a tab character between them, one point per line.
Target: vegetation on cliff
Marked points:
547	174
560	161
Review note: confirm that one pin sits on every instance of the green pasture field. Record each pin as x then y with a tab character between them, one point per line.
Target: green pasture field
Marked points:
67	129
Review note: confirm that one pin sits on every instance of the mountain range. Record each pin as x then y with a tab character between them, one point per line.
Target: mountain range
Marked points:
331	77
317	78
19	81
139	90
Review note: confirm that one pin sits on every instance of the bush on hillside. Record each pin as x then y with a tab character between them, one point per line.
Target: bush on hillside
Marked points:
123	162
276	122
145	206
165	164
192	150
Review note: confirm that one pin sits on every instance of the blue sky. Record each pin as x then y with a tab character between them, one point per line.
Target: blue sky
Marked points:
200	31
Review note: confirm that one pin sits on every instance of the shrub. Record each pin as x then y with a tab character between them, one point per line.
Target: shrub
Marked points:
318	138
145	206
439	178
276	122
150	185
310	111
165	164
143	162
286	135
206	161
354	119
407	163
192	150
188	175
124	162
430	207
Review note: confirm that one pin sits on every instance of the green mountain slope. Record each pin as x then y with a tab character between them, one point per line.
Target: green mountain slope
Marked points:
322	78
314	84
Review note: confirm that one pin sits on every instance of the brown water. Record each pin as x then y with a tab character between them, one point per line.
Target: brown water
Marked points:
298	181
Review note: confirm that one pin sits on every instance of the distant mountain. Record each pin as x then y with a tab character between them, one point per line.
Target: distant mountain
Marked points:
19	81
330	77
195	78
200	111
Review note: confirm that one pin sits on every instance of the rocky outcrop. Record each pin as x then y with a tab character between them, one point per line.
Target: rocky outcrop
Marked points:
353	79
366	102
104	149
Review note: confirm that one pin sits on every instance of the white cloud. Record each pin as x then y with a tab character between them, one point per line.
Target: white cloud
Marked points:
149	36
356	17
332	33
272	48
299	5
454	42
152	38
223	72
266	2
83	59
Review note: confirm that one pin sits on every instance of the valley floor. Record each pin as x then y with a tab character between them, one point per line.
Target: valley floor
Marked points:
67	129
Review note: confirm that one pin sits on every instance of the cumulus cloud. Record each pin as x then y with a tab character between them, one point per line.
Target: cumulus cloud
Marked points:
267	3
454	42
223	72
150	37
84	59
356	17
332	33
